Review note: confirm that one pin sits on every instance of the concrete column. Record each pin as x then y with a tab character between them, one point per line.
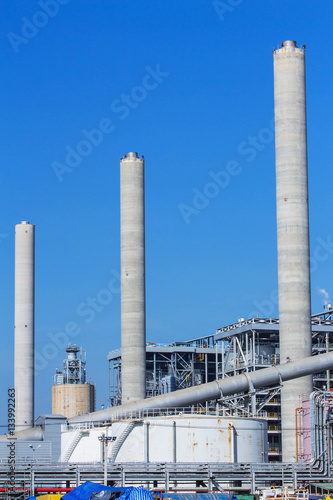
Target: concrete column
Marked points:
133	302
24	325
292	229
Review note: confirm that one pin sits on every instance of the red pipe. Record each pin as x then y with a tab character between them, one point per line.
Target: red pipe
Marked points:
53	490
38	490
3	490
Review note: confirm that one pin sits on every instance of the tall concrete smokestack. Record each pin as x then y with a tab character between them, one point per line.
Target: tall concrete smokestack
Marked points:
24	325
292	229
133	295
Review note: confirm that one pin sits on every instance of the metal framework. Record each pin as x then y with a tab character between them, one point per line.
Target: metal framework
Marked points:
74	367
202	477
253	344
188	364
245	346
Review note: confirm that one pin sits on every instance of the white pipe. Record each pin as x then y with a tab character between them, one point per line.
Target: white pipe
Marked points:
217	389
146	441
33	434
204	392
174	441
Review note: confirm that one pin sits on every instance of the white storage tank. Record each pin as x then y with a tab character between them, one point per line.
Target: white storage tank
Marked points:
181	438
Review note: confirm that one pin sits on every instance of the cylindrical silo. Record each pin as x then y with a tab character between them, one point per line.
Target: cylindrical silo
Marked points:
292	229
133	307
73	399
24	325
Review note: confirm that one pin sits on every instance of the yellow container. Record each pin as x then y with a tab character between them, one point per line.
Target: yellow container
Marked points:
55	496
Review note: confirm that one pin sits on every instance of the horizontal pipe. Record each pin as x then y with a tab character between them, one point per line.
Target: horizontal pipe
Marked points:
38	490
32	434
53	490
218	389
4	490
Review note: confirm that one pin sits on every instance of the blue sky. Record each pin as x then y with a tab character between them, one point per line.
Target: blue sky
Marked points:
190	86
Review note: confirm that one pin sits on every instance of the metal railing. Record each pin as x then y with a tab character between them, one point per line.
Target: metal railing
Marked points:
298	46
211	411
250	476
315	320
252	321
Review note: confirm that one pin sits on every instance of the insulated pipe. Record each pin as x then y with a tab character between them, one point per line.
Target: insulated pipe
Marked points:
298	439
174	441
133	301
292	229
24	364
33	434
217	389
146	441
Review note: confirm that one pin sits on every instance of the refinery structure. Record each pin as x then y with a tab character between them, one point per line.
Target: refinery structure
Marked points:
71	393
242	347
240	409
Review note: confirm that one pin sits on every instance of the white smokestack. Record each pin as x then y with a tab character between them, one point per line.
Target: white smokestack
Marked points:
133	298
292	229
24	325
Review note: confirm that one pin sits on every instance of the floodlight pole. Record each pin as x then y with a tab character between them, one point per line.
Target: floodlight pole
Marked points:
106	457
105	438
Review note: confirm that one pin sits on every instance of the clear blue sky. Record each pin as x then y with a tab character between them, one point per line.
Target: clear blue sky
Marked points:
190	86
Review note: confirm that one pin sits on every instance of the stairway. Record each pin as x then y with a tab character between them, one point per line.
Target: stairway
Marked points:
120	440
71	445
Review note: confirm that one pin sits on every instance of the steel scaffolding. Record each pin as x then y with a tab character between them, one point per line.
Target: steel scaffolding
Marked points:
245	346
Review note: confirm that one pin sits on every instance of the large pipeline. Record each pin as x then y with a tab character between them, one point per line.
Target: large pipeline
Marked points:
218	389
200	393
33	434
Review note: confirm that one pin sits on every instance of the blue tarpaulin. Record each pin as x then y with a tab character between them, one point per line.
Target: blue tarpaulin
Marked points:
90	490
86	490
140	493
199	496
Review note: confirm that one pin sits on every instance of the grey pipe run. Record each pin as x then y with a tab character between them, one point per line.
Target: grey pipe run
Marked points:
321	424
32	434
217	389
200	393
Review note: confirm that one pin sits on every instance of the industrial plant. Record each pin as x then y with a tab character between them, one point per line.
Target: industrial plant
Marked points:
71	393
242	409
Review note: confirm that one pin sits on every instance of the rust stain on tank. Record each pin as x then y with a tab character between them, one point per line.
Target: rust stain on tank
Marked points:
191	437
221	431
230	442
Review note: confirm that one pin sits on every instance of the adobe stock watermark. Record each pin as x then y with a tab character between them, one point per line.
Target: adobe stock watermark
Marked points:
121	107
220	180
87	309
223	7
31	27
322	252
12	440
